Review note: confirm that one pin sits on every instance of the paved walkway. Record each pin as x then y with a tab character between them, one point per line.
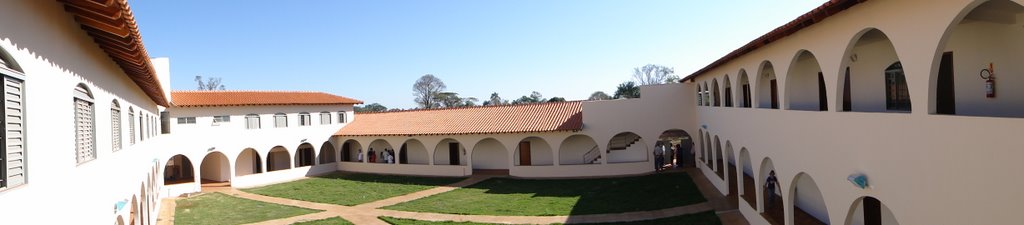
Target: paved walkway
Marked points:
367	213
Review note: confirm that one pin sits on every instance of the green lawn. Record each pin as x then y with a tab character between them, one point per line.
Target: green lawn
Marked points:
217	208
350	188
504	196
704	218
328	221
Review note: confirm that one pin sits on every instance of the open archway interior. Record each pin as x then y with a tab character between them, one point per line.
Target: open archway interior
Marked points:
868	80
248	162
215	168
680	146
719	159
278	159
748	190
708	158
352	151
727	92
808	203
771	195
767	87
413	152
805	86
489	154
627	147
579	149
707	95
450	152
305	155
327	153
716	96
731	174
178	170
990	33
870	211
744	90
533	151
378	151
133	214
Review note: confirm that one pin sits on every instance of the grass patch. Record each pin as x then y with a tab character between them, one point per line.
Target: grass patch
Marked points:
350	188
704	218
503	196
218	208
328	221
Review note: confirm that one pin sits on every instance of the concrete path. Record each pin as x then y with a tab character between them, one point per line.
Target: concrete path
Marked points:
368	213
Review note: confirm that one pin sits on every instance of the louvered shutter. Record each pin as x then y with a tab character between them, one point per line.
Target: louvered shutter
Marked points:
131	126
115	127
252	122
280	121
84	131
14	137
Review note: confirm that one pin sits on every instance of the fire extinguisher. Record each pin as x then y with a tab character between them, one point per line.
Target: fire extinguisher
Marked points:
990	81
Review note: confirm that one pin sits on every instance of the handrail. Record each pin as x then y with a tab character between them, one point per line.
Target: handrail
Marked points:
593	151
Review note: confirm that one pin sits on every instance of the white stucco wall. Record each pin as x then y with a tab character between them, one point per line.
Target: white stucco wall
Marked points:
204	117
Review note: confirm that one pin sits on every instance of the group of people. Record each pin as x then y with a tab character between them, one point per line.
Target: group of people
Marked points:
387	156
675	154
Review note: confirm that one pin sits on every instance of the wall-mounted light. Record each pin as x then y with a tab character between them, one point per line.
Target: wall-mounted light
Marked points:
211	149
859	180
853	58
303	141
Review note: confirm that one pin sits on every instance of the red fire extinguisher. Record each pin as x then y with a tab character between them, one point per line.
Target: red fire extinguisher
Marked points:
990	81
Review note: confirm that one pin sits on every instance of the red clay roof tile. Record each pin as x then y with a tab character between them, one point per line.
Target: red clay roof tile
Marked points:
245	98
540	117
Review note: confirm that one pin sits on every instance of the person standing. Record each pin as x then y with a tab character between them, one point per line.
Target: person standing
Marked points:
770	185
359	158
659	157
679	155
666	147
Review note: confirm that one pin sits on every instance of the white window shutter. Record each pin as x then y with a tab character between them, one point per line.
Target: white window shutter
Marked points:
14	137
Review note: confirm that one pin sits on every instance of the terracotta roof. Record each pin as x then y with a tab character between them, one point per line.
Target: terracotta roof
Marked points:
112	26
539	117
806	20
244	98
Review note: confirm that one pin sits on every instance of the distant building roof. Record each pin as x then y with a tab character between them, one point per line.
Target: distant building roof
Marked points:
539	117
252	98
112	26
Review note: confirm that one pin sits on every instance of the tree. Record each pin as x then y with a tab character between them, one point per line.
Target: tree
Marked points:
599	95
533	98
471	101
627	89
495	100
373	107
426	89
652	74
556	99
212	83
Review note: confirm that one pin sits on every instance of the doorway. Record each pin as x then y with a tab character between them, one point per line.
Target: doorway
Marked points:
945	94
453	154
524	153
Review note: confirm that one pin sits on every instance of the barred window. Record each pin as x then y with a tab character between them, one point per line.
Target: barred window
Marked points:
85	132
305	119
186	120
221	119
342	118
325	118
115	125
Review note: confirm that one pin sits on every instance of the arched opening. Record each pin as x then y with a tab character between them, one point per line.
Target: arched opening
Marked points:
351	151
413	152
248	162
85	120
327	152
700	95
681	145
120	220
133	214
767	87
708	157
744	95
987	34
771	206
450	152
305	155
381	152
731	174
533	151
700	154
868	210
627	147
749	189
719	165
707	94
727	94
215	170
143	204
872	77
808	203
178	170
579	149
489	154
278	159
805	84
716	97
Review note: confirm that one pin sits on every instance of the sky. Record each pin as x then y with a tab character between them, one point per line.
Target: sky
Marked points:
375	50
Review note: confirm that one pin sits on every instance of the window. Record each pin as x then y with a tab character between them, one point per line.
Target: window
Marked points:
186	120
12	152
897	96
252	121
221	119
85	132
280	120
142	128
131	126
115	125
305	119
165	121
325	118
342	117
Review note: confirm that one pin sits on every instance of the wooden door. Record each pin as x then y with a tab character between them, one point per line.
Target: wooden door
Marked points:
822	93
945	94
524	153
403	155
453	154
872	211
